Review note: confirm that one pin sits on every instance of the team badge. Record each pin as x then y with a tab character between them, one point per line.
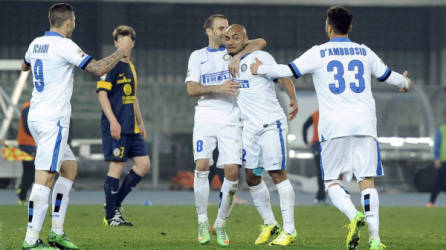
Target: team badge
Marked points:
127	89
116	152
244	67
226	57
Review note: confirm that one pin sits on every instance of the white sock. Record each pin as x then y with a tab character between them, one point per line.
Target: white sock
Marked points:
287	197
370	204
37	207
342	201
201	191
61	197
261	199
227	193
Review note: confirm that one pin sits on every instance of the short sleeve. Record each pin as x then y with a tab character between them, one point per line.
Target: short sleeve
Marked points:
266	58
27	58
378	68
74	55
193	68
105	83
308	62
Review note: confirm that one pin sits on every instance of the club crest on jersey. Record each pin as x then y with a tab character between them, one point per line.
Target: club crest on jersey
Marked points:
226	57
116	152
127	89
244	67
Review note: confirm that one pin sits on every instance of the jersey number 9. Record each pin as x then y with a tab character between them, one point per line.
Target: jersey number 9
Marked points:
38	75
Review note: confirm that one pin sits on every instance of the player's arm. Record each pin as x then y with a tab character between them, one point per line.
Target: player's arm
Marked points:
26	63
305	128
115	127
104	65
291	91
25	67
253	45
139	119
229	87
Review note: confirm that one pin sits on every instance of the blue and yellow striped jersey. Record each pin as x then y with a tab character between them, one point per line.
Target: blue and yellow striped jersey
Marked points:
121	84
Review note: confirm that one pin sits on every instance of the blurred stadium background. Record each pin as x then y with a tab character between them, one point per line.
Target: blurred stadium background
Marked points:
406	34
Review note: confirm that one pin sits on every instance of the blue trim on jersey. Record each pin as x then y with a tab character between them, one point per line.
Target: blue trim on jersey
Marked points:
340	39
215	50
85	62
379	168
282	145
56	149
437	143
245	55
52	33
385	75
295	70
27	63
320	161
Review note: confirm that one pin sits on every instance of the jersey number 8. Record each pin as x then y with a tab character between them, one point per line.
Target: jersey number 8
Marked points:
353	65
38	75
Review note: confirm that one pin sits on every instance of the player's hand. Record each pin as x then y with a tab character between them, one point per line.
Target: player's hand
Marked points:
234	64
255	66
404	90
437	163
115	130
125	44
292	114
142	129
229	87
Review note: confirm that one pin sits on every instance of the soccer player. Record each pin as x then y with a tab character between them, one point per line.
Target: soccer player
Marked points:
216	122
123	131
52	58
264	129
342	72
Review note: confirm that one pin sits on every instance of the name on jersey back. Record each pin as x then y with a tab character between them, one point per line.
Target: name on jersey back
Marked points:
346	51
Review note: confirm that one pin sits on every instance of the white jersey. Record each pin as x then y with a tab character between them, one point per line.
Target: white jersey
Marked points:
52	59
211	67
342	72
257	99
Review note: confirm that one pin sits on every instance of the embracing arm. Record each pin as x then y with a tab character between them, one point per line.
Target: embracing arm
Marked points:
228	87
253	45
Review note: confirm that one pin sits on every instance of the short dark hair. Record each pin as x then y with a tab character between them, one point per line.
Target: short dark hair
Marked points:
340	19
59	12
124	30
210	20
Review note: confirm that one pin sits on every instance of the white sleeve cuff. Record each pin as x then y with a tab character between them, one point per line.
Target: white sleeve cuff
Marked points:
275	70
397	79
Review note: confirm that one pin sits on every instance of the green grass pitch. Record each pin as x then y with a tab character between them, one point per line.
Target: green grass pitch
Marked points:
174	227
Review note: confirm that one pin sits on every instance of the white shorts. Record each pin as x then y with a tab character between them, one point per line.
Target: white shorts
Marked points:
52	146
206	137
265	148
351	155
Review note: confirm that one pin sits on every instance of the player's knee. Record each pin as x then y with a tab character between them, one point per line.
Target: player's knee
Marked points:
368	182
144	167
330	183
277	175
202	164
231	172
252	179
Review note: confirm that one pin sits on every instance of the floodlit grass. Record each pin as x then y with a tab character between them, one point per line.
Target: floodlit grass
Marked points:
174	227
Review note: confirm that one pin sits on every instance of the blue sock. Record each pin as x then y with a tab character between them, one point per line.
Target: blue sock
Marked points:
128	184
111	186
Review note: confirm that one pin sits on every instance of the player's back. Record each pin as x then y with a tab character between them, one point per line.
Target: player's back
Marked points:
52	59
257	99
210	67
342	78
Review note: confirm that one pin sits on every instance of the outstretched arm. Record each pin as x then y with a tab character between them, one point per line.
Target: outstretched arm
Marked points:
291	91
271	70
253	45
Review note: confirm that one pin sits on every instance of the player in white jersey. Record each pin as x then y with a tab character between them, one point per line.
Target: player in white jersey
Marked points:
216	122
52	59
341	71
264	132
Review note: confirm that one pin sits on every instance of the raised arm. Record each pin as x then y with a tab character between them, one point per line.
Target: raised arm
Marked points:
253	45
291	91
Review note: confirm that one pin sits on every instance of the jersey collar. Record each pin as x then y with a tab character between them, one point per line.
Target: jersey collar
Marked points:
340	39
52	33
215	50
